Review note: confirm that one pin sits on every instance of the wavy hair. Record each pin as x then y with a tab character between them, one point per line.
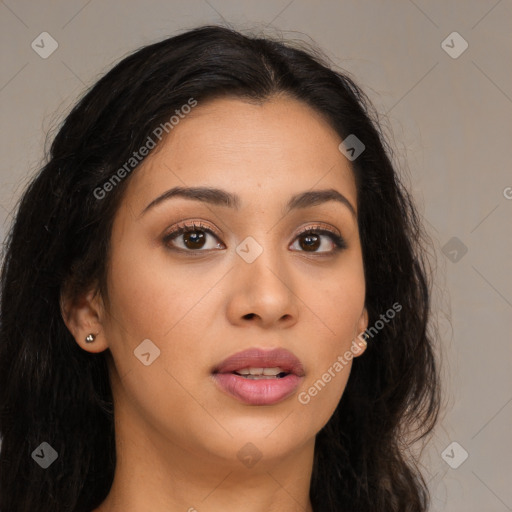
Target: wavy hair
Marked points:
52	390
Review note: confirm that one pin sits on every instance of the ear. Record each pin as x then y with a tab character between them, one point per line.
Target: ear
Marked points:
83	316
359	344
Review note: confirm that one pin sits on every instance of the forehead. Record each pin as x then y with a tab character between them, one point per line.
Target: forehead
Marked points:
259	150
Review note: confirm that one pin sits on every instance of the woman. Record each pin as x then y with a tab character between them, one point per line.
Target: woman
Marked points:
217	242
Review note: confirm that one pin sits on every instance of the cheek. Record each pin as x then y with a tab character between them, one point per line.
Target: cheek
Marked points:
169	308
148	293
322	392
338	304
152	300
336	300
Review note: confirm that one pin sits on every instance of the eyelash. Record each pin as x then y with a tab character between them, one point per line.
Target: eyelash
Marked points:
338	241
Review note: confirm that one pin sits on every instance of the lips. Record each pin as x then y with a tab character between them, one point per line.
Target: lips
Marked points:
258	358
259	377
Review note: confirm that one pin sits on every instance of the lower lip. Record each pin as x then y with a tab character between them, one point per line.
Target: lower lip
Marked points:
257	391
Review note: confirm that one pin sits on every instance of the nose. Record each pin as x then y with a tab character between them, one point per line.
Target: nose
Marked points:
262	293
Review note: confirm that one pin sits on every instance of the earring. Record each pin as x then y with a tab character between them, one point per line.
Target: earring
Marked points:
90	338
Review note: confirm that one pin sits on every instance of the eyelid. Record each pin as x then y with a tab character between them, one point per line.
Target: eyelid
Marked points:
190	225
318	228
326	230
182	227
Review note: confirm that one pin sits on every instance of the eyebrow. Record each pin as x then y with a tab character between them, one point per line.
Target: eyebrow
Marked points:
219	197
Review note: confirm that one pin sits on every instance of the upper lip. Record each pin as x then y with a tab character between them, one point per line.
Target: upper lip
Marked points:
259	358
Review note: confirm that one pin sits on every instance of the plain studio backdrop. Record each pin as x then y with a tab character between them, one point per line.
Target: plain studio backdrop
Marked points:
439	73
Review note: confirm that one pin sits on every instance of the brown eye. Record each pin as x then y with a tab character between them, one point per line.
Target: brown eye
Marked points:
310	242
192	238
319	241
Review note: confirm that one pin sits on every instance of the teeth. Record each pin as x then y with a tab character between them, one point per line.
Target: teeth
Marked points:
272	372
260	377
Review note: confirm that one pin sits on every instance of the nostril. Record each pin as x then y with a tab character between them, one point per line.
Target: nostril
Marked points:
249	316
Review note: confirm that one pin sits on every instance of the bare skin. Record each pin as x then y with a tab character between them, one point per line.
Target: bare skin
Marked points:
177	434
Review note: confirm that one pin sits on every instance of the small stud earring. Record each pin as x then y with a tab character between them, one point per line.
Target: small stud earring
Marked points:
90	338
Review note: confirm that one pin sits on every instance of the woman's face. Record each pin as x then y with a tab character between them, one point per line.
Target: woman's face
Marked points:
246	278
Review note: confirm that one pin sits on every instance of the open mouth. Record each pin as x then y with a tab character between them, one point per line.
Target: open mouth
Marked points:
259	377
262	373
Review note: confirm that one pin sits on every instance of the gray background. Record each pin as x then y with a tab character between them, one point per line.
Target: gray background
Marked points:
450	123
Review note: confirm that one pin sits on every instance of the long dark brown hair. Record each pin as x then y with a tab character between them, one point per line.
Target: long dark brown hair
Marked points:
51	390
